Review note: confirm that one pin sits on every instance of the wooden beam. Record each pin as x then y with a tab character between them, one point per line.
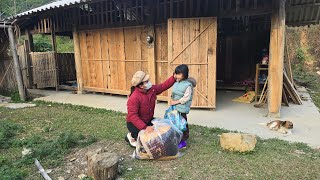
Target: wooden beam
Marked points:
21	88
5	26
255	4
244	12
53	40
170	55
29	47
171	9
276	55
54	49
77	57
151	56
30	41
237	5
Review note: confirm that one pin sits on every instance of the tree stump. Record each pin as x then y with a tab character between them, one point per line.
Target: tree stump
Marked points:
102	165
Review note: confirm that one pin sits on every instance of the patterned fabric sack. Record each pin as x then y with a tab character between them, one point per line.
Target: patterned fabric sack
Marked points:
175	117
160	144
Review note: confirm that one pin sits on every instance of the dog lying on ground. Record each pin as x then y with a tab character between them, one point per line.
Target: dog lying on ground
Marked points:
281	126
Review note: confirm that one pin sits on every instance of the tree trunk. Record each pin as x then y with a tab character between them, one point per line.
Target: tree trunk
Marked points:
102	165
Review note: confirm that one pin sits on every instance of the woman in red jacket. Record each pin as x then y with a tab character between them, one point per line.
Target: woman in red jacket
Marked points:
141	104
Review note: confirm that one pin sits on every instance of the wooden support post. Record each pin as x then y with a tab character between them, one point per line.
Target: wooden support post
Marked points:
29	48
276	58
53	40
54	49
30	41
151	55
77	58
21	89
170	55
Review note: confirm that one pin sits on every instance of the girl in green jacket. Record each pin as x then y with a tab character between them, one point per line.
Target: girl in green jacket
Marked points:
182	94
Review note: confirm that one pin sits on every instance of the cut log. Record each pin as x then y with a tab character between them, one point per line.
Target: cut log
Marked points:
102	165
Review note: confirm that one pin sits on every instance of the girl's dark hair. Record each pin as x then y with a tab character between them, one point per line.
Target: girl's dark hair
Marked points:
183	69
134	87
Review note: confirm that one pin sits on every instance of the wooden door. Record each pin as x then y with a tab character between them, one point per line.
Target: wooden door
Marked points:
193	42
44	69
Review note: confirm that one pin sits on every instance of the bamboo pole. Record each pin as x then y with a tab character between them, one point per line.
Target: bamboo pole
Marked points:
21	89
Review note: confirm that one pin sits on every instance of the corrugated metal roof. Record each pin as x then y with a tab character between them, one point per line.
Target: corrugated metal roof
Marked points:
53	5
298	12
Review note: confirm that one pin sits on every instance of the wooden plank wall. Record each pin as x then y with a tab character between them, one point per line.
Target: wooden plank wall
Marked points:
193	42
8	80
110	57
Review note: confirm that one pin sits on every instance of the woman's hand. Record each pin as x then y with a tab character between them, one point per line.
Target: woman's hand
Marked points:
172	102
149	129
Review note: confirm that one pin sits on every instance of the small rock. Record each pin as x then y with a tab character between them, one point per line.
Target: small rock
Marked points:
238	142
129	169
61	178
81	176
73	159
68	171
299	152
26	151
48	171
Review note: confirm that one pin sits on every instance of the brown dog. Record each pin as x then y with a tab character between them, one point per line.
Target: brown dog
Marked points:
281	126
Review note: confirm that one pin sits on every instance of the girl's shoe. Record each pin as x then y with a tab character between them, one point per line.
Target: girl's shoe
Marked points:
131	140
183	144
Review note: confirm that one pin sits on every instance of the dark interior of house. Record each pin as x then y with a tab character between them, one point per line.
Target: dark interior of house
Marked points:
242	43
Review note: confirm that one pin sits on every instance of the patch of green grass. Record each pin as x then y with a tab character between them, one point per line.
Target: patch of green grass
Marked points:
51	150
203	159
7	131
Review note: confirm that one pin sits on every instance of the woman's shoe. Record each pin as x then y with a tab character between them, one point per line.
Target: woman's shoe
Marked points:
182	144
131	140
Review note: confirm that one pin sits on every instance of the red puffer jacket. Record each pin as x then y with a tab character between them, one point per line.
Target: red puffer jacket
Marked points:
141	103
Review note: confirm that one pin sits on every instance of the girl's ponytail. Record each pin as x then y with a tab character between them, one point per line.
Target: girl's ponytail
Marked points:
131	90
134	87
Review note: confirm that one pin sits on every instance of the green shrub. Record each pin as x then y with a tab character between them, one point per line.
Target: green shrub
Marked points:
15	96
